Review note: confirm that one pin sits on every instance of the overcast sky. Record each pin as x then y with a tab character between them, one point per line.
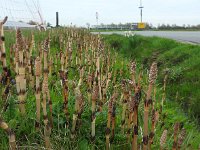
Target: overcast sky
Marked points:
80	12
115	11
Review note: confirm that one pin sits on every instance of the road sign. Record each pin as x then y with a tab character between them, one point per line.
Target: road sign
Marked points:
141	25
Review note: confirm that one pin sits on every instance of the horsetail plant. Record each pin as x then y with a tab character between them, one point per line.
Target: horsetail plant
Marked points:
124	103
136	101
45	92
133	71
38	91
11	135
176	130
78	106
131	107
93	116
111	109
113	117
64	77
21	78
152	78
2	43
163	139
181	138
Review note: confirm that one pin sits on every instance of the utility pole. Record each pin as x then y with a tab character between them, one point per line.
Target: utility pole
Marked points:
141	7
57	19
97	19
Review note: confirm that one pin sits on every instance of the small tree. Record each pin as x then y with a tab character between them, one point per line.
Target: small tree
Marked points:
49	24
31	22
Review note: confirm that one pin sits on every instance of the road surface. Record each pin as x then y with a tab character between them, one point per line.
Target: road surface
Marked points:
183	36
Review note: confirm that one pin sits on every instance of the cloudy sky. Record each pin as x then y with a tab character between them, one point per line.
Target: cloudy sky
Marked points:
155	11
80	12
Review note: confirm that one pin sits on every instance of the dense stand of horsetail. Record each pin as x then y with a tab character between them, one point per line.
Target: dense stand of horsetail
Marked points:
92	82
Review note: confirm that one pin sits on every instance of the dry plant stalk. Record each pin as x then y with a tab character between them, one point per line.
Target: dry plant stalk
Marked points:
98	71
108	130
89	82
30	61
21	78
133	71
136	101
2	43
108	81
62	61
131	107
93	116
16	61
78	107
113	116
163	139
154	120
11	135
38	91
176	130
65	94
152	78
164	91
125	100
5	80
45	92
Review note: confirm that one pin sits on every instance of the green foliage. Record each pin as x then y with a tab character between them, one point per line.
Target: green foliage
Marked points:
28	138
182	60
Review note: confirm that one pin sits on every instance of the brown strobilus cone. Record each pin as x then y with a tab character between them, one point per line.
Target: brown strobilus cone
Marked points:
152	79
181	138
163	139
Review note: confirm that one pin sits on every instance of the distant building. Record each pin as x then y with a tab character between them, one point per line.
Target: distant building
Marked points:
126	26
14	24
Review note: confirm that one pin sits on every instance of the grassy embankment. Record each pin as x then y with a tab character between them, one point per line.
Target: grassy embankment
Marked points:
182	61
27	137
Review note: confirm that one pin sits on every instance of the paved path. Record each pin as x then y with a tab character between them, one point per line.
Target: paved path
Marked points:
183	36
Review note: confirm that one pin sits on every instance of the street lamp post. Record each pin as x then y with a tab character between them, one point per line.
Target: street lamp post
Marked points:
141	7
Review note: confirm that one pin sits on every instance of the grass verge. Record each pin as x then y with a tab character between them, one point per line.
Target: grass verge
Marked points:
182	61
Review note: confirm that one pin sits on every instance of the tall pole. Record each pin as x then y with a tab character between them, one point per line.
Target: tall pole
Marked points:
57	19
141	7
97	19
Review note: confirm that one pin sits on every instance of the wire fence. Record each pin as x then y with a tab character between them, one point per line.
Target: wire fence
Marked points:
21	11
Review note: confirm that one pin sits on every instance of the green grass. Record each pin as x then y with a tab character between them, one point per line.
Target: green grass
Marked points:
182	60
23	127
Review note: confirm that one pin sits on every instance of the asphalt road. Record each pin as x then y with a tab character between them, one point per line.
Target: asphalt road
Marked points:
183	36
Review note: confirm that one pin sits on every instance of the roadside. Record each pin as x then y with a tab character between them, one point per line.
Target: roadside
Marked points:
183	36
182	61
